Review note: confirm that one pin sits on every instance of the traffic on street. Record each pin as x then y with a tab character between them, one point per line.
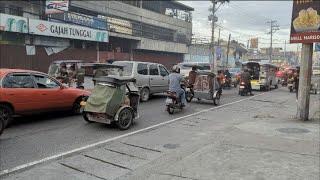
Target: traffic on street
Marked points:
154	90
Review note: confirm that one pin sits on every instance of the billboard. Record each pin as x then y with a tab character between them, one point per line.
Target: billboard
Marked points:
254	43
305	22
81	19
13	23
54	29
118	25
56	7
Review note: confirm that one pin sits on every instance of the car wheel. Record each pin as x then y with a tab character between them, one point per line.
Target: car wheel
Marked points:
145	94
1	126
76	107
125	119
6	114
276	86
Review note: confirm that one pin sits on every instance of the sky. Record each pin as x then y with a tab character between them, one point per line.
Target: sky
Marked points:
245	20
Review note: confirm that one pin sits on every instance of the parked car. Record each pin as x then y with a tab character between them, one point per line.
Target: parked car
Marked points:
186	67
27	92
150	78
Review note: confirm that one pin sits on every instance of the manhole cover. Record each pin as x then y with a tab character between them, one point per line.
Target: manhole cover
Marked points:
171	146
293	130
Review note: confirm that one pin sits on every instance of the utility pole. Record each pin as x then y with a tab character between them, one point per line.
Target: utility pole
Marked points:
305	81
213	18
228	50
273	28
219	37
285	49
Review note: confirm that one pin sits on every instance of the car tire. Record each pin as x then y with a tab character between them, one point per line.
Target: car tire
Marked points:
6	114
76	106
144	94
125	119
1	126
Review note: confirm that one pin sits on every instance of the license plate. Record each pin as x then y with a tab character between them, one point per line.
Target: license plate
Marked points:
242	87
83	103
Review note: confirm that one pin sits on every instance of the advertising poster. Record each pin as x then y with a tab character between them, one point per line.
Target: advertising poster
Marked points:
56	7
254	43
305	21
13	23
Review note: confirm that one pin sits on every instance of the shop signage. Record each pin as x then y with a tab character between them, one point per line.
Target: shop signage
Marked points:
13	23
118	25
305	21
54	7
47	28
81	19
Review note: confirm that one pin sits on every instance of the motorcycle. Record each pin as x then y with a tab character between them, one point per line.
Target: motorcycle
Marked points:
226	82
173	101
243	89
291	85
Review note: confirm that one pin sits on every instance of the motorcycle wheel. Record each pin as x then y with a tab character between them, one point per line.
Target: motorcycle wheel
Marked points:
125	119
85	117
189	96
216	101
170	110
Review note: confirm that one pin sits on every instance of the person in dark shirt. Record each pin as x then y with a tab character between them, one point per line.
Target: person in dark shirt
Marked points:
296	81
246	78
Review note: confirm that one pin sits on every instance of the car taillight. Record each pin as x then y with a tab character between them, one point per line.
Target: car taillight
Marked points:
242	83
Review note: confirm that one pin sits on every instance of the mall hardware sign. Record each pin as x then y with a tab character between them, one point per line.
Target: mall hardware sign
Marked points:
62	30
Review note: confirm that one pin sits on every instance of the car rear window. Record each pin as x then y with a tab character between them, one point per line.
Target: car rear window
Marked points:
127	70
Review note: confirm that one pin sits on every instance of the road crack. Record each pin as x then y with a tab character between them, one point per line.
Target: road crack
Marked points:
141	147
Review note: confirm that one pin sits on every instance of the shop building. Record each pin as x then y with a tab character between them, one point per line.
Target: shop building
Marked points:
93	31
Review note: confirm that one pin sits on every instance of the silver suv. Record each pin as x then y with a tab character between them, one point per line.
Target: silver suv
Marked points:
151	77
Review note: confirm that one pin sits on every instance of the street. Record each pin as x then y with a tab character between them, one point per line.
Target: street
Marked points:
252	131
36	137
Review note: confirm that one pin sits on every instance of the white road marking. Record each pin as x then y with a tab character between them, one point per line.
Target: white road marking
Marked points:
33	163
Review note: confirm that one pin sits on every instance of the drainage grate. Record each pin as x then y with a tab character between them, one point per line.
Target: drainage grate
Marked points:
293	130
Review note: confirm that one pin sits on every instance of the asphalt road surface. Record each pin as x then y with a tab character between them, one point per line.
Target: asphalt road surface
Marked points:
35	137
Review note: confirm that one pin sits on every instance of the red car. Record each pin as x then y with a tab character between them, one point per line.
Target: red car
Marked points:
27	92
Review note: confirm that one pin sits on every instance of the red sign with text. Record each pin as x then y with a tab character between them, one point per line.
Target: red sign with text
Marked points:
305	22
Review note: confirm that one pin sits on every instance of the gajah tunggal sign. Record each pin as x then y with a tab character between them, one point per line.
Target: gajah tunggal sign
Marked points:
13	23
56	7
305	21
61	30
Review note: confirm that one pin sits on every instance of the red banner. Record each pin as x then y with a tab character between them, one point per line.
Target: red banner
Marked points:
305	22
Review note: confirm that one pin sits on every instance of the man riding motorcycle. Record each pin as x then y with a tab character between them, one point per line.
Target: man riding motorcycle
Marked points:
246	77
175	79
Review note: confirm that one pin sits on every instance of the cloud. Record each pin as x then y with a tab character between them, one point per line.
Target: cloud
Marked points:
244	19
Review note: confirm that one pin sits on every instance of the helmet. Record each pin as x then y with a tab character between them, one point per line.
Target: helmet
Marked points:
176	69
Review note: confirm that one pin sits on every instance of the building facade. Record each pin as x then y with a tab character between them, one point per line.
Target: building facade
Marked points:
199	51
35	33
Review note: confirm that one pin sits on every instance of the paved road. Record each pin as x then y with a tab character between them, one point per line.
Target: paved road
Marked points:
36	137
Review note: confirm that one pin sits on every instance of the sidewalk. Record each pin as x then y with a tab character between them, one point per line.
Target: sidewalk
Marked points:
254	139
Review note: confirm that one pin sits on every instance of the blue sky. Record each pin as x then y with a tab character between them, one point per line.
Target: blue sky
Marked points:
244	20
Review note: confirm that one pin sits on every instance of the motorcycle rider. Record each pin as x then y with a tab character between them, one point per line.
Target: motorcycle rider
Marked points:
228	77
175	79
245	77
